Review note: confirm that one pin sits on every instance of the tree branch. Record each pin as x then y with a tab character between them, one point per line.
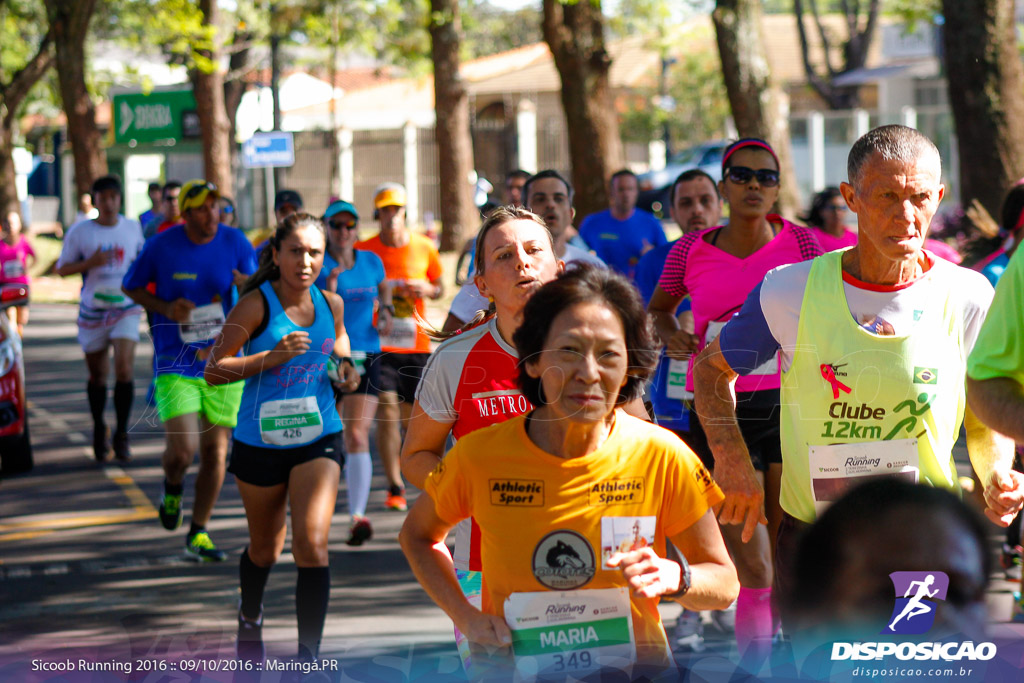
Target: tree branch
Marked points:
25	78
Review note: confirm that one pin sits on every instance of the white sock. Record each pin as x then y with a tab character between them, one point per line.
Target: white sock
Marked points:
358	472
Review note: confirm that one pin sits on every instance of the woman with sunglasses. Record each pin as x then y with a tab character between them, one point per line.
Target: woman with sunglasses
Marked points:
358	276
827	214
718	268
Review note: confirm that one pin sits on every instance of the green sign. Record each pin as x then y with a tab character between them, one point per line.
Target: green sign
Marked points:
159	115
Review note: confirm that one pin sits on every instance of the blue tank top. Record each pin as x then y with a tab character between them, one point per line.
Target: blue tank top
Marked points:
357	286
291	404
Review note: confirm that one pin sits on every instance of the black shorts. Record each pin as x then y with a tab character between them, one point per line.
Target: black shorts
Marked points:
261	466
369	381
400	373
757	413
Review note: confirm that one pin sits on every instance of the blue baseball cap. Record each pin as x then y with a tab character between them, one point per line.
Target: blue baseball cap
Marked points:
338	206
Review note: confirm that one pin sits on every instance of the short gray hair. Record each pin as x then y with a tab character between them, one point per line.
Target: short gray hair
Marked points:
894	142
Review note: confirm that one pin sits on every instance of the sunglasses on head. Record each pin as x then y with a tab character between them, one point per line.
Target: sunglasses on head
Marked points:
766	177
342	225
195	190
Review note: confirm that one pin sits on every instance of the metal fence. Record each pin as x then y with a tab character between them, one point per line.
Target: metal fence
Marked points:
820	143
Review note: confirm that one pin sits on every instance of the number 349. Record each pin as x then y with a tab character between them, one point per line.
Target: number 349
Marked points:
575	660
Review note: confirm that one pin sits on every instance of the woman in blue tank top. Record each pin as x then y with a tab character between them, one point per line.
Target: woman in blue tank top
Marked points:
288	443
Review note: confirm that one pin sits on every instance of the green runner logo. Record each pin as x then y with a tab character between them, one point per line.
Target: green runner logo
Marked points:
926	375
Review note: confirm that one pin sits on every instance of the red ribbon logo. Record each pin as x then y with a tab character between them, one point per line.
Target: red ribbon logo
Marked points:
830	376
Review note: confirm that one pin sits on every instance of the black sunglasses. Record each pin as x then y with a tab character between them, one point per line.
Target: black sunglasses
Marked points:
766	177
194	191
338	225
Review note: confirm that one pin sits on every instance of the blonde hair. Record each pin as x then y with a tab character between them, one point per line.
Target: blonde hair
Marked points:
500	216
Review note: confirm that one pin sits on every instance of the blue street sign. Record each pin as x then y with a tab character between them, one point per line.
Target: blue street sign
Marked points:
268	150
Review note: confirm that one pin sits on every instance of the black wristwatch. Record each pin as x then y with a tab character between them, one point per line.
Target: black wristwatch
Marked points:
684	577
388	307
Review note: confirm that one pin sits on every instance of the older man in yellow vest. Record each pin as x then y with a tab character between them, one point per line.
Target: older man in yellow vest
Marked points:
873	342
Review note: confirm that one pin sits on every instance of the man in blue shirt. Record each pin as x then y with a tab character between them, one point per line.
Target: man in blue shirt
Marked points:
621	234
195	267
156	198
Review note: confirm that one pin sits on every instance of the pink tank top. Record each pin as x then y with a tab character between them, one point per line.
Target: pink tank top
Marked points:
718	283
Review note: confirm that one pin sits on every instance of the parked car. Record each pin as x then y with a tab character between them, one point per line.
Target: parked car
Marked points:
15	445
655	185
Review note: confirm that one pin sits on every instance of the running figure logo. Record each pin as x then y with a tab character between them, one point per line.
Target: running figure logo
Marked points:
917	596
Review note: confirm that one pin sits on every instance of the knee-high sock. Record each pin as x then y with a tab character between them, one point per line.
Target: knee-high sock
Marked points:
358	473
124	394
754	628
252	579
97	394
312	591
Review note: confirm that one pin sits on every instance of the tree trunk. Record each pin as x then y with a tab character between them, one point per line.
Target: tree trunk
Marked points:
758	107
208	89
234	85
69	22
575	34
12	95
986	92
451	128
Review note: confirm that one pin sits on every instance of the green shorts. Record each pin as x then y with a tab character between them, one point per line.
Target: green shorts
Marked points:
179	395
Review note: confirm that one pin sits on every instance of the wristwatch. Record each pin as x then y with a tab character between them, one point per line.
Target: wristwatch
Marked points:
388	307
684	577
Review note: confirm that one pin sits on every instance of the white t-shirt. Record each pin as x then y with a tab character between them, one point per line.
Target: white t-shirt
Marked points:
101	286
881	310
469	301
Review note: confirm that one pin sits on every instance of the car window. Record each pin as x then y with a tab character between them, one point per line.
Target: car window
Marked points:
712	156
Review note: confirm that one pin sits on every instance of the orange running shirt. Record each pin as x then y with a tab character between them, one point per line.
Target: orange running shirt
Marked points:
531	506
417	260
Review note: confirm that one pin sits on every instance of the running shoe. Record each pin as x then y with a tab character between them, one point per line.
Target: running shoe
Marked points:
725	619
199	547
1018	608
396	502
688	634
170	511
1011	559
360	531
100	442
250	638
122	452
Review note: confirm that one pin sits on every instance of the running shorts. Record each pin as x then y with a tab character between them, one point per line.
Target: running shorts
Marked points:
400	373
757	413
98	337
178	395
261	466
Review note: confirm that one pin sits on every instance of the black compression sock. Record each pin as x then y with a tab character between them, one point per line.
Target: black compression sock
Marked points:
124	394
252	579
97	394
174	489
312	591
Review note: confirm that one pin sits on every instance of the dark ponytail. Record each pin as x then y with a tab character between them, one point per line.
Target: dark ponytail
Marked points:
267	269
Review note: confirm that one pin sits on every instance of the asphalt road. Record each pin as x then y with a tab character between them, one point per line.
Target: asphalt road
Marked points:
89	579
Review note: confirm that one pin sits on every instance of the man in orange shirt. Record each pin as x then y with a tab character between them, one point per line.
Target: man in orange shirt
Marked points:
413	269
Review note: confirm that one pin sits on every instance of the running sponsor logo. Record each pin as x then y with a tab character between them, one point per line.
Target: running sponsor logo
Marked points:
503	402
517	492
564	560
627	491
917	596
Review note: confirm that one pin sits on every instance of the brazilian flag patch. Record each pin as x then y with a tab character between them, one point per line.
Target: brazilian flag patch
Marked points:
926	375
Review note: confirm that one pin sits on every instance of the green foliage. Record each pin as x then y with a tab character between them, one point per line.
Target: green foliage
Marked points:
913	11
22	26
488	29
701	104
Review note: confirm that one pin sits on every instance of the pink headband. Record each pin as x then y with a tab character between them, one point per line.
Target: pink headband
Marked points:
750	142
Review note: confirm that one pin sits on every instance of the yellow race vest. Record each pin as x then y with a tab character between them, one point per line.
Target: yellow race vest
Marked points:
857	405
